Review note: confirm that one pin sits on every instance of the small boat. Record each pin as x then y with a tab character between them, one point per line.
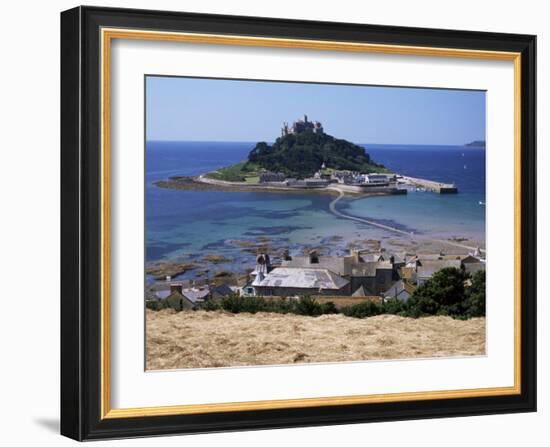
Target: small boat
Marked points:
482	203
465	167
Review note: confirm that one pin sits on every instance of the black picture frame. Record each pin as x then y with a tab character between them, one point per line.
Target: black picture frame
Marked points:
81	224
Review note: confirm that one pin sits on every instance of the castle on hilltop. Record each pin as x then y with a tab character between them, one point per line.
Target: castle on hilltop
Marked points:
300	126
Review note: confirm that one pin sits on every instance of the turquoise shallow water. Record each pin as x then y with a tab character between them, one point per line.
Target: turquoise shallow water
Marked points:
195	223
427	213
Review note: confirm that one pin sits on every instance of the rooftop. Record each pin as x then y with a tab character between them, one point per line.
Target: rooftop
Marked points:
196	294
368	269
399	288
428	268
336	264
303	278
474	267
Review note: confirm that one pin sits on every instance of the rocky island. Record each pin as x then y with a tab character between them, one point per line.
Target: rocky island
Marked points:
304	157
301	152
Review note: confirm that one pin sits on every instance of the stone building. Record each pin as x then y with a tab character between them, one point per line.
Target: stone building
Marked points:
267	177
377	273
374	277
290	281
303	125
177	300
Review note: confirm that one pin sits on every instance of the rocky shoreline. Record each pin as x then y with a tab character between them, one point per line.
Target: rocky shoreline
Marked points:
196	184
201	183
232	261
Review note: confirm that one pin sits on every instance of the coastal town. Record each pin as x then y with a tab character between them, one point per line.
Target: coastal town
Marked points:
373	273
361	275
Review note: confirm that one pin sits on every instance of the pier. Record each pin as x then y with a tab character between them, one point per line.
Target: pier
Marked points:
430	185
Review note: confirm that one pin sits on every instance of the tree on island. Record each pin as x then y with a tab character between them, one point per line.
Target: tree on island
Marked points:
301	155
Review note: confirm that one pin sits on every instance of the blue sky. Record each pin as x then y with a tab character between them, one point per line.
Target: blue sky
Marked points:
190	109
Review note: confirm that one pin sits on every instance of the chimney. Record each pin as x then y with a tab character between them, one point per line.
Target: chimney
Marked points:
286	256
176	288
313	257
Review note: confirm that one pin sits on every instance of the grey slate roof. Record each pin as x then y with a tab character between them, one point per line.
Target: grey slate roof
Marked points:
222	290
428	268
162	291
179	302
371	257
398	258
336	264
439	257
470	259
347	265
162	294
398	290
196	294
303	278
474	267
368	269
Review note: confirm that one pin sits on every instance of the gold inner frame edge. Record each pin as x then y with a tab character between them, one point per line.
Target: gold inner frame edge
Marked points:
107	34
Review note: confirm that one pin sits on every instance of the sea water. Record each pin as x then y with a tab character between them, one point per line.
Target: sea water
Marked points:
196	223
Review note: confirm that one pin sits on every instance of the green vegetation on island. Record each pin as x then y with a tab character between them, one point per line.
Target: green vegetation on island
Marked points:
239	172
300	156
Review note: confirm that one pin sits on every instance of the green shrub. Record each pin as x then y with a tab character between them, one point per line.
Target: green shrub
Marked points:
156	304
362	310
308	306
209	305
283	306
253	304
329	308
394	306
475	297
446	294
151	304
237	304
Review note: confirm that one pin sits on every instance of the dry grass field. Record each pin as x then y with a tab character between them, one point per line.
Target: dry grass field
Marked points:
212	339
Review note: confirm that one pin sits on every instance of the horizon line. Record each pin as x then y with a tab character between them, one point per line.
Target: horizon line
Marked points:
360	144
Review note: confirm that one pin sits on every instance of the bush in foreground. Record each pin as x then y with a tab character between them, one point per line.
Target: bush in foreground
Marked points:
156	304
447	293
253	304
363	310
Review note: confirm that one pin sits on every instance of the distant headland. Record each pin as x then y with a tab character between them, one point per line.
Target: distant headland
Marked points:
476	143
